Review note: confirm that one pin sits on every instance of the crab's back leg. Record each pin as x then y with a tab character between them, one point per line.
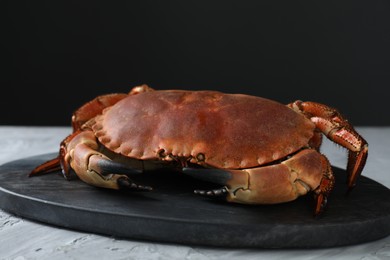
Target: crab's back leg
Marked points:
330	122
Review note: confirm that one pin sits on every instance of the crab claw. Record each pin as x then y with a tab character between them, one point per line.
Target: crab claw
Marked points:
304	172
107	173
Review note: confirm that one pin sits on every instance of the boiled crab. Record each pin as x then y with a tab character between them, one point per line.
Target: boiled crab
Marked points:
260	151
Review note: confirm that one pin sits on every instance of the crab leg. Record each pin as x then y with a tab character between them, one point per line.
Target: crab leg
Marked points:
306	171
97	105
93	108
46	167
57	163
330	122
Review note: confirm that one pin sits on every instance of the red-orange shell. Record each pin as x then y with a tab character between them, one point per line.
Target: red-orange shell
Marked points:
230	130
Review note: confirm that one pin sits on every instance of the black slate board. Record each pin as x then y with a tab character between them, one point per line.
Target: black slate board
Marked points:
173	214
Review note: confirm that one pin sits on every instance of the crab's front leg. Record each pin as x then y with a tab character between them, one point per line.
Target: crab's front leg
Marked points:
306	171
79	152
330	122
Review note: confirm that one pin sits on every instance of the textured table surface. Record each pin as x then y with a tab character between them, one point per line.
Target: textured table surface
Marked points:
24	239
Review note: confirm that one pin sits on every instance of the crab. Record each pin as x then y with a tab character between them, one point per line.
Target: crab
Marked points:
258	150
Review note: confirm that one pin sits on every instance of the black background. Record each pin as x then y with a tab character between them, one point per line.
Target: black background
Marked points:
59	54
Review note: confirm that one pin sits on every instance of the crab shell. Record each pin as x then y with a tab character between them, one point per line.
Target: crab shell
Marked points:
230	131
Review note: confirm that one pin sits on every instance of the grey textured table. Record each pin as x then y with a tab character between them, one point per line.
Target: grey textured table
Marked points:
24	239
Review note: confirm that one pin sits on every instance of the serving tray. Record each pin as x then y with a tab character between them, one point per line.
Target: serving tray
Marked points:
172	213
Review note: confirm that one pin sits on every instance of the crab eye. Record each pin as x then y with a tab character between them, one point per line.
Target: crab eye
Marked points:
200	157
161	153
